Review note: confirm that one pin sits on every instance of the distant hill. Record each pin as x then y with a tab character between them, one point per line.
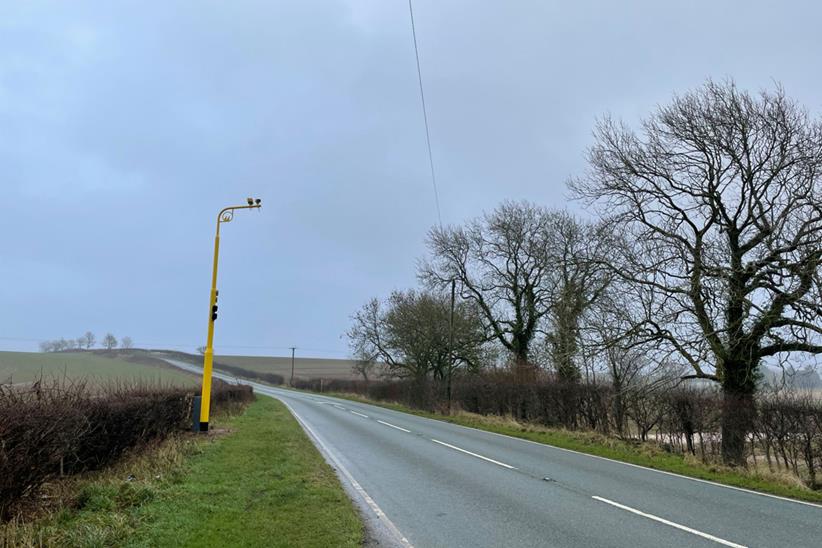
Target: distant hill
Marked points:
304	368
93	365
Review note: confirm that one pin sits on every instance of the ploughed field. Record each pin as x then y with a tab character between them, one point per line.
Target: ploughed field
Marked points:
304	368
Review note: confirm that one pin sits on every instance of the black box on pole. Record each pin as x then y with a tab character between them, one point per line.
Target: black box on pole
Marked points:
195	413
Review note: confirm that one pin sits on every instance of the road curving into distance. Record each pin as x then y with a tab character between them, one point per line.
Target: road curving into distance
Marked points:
427	483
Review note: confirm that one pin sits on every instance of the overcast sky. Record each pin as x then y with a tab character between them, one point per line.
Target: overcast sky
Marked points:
126	126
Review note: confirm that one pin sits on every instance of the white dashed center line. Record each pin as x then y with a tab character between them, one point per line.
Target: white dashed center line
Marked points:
454	447
394	426
360	414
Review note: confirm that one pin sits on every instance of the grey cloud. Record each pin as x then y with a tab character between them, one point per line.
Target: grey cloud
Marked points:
126	126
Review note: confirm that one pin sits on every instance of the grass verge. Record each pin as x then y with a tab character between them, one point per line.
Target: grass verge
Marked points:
650	455
256	480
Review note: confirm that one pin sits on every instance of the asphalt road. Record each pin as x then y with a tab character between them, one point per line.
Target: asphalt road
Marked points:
425	483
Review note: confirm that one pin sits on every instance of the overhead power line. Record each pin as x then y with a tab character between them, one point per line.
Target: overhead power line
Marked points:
425	114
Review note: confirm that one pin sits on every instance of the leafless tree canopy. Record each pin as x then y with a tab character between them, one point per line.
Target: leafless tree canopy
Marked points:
500	263
410	334
579	280
719	203
531	272
109	341
364	367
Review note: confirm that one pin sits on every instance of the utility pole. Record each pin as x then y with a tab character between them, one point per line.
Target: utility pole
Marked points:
451	343
293	348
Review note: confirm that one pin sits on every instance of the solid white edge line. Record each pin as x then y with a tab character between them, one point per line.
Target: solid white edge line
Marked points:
498	463
270	392
360	414
670	523
674	474
354	483
394	426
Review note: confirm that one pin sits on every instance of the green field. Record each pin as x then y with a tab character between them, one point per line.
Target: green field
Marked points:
96	366
304	368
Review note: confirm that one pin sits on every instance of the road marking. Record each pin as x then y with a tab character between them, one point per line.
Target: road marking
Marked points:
674	474
360	414
394	426
338	406
474	454
671	523
354	483
199	371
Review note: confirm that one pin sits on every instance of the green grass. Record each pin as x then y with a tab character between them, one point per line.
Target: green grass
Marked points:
644	454
256	480
304	368
20	367
263	485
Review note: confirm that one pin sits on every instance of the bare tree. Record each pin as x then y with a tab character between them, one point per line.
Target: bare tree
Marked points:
720	202
410	334
576	252
89	339
201	350
364	367
47	346
644	406
500	262
607	343
109	341
367	333
126	342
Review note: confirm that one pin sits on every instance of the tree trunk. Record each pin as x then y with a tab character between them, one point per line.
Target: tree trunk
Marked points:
738	410
524	371
420	393
619	411
565	338
525	377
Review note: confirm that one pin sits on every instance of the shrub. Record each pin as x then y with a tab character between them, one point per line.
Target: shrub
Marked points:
60	427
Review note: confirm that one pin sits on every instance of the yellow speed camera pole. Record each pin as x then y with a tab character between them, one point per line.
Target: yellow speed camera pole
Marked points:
225	216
